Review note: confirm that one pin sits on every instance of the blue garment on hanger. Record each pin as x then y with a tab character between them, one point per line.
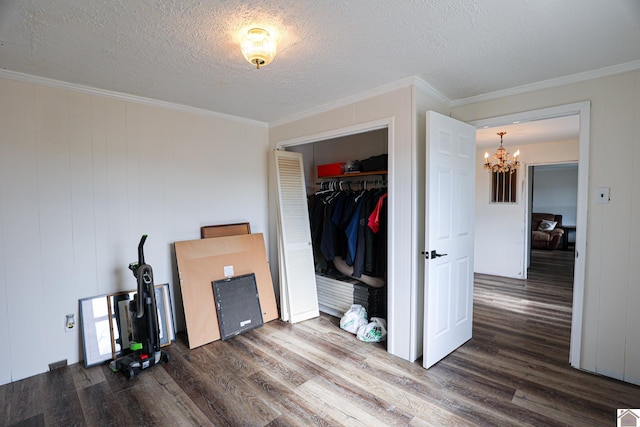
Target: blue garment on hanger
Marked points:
352	232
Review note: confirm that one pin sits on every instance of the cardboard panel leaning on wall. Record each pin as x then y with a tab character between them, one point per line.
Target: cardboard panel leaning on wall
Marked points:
200	262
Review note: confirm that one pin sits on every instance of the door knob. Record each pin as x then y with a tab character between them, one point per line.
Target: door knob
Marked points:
432	255
436	255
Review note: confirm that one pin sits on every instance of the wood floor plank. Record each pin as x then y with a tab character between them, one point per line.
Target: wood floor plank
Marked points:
365	377
364	398
514	371
309	349
290	368
344	411
193	376
344	348
562	410
476	404
23	400
61	405
35	421
294	409
576	382
101	407
225	390
83	378
169	405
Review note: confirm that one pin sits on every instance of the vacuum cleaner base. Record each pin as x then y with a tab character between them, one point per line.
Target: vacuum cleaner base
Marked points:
132	364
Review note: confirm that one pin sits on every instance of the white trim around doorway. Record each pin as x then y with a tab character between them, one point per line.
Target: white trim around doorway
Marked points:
583	109
399	335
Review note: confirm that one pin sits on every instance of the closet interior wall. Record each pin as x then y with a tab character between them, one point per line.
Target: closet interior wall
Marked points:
335	296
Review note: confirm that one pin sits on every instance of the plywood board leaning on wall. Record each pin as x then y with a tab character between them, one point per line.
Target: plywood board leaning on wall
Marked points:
200	262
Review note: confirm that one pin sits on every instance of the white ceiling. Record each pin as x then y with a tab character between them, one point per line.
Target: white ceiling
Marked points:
550	130
187	52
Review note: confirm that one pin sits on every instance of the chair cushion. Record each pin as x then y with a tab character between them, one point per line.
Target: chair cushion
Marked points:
540	236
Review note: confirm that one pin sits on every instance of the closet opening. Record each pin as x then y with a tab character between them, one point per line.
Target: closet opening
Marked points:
346	179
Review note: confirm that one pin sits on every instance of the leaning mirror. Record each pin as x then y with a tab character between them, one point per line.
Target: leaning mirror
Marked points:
96	331
121	325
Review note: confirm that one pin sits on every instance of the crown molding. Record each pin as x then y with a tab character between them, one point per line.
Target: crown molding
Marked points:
28	78
430	90
546	84
399	84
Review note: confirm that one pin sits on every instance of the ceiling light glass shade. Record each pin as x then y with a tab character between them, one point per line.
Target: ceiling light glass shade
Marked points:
258	47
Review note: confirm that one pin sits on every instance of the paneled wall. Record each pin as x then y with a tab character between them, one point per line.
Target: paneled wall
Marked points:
82	177
610	338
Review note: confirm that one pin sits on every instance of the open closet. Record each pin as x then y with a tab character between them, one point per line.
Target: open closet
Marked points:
346	186
431	182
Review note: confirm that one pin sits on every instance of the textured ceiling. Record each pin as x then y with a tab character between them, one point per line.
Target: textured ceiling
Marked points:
534	132
187	51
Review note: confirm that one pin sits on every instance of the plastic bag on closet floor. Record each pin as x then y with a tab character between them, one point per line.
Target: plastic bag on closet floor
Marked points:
374	331
354	318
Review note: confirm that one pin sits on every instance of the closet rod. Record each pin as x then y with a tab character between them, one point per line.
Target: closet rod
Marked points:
338	184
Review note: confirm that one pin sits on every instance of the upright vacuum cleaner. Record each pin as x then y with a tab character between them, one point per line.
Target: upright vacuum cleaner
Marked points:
145	351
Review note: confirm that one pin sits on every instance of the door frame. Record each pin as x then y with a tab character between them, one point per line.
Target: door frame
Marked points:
398	337
529	168
583	110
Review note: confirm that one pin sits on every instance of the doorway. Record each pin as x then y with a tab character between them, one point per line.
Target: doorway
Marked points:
582	112
398	338
552	189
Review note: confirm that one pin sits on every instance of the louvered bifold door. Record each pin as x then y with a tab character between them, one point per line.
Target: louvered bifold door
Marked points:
299	297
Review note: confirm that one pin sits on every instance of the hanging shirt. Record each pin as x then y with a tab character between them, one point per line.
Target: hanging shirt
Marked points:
352	230
374	218
363	246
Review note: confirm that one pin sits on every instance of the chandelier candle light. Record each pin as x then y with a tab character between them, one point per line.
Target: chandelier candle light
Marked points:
501	161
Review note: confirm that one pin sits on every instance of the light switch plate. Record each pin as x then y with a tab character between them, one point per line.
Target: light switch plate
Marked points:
602	195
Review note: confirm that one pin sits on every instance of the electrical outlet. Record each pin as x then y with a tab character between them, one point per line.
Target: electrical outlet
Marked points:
70	322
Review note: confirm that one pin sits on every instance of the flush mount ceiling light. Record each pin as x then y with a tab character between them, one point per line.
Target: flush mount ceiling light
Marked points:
258	47
501	159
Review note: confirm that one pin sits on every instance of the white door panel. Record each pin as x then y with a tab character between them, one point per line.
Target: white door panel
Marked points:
448	317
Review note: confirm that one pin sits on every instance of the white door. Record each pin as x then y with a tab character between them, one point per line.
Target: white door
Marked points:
449	231
298	294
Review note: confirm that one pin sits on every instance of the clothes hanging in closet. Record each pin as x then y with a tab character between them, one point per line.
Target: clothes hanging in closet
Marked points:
351	225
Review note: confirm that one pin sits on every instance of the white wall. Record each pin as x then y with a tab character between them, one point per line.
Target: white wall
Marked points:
81	178
502	253
555	190
610	337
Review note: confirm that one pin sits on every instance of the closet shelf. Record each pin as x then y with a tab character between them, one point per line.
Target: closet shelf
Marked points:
354	174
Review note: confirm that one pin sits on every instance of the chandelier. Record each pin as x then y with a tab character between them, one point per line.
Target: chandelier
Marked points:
501	161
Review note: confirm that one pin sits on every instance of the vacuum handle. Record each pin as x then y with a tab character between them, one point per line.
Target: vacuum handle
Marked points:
141	249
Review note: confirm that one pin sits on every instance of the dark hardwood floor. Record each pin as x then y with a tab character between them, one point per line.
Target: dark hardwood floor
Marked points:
514	371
